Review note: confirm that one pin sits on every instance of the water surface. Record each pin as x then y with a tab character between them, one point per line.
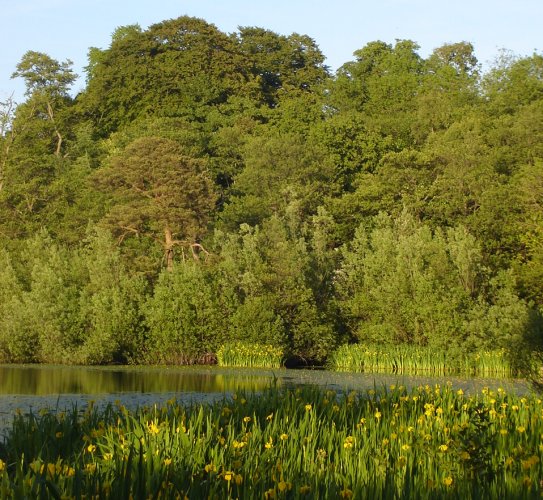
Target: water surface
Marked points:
33	387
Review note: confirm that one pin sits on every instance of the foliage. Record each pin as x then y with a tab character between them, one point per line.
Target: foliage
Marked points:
158	191
398	201
402	283
187	316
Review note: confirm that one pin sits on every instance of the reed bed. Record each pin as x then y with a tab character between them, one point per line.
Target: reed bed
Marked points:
244	355
431	442
407	359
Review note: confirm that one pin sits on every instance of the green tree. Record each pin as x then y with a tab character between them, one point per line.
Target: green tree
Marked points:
47	83
282	64
448	89
187	315
37	146
401	282
181	67
159	192
111	305
270	265
14	345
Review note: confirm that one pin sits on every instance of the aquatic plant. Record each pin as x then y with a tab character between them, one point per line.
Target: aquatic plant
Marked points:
248	355
417	359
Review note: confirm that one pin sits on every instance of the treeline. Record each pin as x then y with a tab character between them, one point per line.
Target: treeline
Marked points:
208	187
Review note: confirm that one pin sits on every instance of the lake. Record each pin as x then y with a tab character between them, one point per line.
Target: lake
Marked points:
33	387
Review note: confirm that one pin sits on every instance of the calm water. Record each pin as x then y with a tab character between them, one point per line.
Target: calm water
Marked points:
32	387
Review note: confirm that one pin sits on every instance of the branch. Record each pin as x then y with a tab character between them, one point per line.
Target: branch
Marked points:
52	117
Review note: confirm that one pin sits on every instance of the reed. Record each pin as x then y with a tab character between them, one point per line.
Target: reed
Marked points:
431	442
246	355
406	359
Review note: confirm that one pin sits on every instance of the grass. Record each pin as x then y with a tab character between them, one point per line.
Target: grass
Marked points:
431	442
407	359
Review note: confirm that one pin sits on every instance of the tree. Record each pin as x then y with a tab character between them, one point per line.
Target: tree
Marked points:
402	282
47	82
449	88
187	315
181	67
160	192
282	64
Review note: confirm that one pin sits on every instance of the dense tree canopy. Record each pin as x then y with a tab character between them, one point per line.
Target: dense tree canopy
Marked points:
207	186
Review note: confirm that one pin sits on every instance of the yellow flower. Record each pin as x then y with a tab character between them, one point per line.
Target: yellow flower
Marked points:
228	476
503	432
210	468
51	469
346	493
269	444
378	415
238	444
108	456
90	468
270	416
167	461
305	489
282	486
447	481
238	478
460	392
308	407
405	447
283	437
443	447
246	419
153	428
349	442
402	461
385	441
91	448
269	494
528	463
59	434
465	455
2	465
521	429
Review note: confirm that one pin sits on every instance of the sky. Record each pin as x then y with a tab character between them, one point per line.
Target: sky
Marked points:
65	29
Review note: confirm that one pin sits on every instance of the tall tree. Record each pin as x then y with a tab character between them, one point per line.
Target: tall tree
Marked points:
158	191
47	82
181	67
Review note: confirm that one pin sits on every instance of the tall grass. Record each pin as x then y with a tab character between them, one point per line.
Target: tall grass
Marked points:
416	360
246	355
431	442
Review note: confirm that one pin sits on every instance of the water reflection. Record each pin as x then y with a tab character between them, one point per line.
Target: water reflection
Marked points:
41	380
33	387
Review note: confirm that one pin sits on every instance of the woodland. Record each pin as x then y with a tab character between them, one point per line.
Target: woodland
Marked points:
205	187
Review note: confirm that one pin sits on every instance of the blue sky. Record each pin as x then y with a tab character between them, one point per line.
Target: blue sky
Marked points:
65	29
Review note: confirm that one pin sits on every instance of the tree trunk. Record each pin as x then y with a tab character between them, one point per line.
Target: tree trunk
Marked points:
168	248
